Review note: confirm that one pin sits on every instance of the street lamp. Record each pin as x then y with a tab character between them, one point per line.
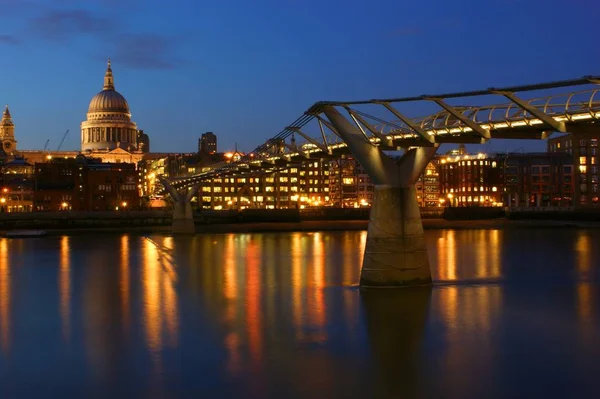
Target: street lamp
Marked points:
450	197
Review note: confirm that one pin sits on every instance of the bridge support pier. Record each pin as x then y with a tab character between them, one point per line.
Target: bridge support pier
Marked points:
183	217
395	252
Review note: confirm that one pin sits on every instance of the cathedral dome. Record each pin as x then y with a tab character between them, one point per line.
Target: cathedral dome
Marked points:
109	101
108	125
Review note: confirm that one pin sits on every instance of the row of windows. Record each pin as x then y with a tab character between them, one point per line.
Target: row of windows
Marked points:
475	188
124	187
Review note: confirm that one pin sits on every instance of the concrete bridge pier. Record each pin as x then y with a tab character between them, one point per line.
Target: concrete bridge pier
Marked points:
395	253
183	217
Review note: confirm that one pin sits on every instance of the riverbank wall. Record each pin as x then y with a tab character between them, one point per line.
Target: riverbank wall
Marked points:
280	220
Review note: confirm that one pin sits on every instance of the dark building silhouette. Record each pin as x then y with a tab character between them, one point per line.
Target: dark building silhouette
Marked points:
207	144
143	141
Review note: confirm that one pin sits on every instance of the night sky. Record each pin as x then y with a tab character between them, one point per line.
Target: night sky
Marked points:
245	69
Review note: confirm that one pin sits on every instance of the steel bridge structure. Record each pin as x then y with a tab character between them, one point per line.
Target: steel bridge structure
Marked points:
395	253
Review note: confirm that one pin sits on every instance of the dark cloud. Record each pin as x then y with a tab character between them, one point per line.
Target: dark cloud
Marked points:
67	24
145	51
8	39
62	21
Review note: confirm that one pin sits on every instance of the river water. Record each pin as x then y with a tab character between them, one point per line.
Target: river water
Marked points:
513	313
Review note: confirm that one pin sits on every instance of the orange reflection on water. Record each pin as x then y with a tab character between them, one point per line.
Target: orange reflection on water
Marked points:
229	268
160	298
446	246
64	286
583	247
482	261
253	298
486	244
296	260
151	281
317	305
124	281
4	296
585	297
469	306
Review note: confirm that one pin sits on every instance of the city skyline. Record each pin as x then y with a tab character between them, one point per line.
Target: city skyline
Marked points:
246	71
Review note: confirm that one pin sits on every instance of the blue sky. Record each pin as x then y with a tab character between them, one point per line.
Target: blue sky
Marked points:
245	69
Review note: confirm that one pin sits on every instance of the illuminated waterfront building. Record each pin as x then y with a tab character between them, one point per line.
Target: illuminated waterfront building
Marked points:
470	180
428	186
16	194
299	186
349	184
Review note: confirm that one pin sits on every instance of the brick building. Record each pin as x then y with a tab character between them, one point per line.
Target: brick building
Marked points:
586	163
470	180
537	179
83	184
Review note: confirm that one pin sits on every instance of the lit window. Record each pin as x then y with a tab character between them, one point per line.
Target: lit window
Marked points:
582	160
494	189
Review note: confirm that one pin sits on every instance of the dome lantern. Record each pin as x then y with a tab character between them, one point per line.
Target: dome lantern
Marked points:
109	81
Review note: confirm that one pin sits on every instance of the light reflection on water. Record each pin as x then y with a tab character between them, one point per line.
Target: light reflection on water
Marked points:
273	314
5	296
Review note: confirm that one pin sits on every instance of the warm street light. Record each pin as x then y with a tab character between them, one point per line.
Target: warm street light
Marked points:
3	200
124	204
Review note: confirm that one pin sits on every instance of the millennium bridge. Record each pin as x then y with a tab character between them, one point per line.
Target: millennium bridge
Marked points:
395	252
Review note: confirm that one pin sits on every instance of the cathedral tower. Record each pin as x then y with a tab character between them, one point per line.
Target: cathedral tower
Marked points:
7	132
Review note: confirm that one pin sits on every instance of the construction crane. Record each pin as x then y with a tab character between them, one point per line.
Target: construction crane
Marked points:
46	145
62	141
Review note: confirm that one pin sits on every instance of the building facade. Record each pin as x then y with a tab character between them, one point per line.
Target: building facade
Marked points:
537	179
470	180
583	148
85	184
428	186
18	186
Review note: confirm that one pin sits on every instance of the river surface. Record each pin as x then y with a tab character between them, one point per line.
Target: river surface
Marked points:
513	313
